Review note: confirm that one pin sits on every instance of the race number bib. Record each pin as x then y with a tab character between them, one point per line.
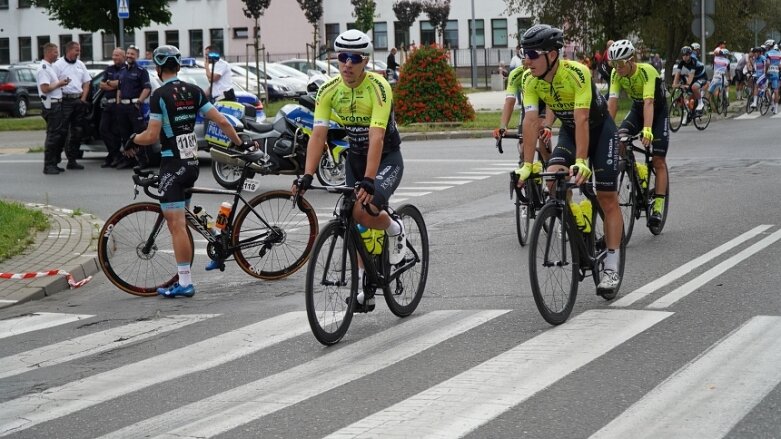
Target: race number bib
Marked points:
773	69
187	145
251	185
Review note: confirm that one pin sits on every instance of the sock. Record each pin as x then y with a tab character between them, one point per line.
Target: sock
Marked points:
184	274
611	260
394	228
360	298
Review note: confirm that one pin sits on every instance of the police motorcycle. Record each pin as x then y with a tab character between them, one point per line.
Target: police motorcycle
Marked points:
284	142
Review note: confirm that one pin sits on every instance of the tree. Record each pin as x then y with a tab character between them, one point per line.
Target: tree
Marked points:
428	89
364	14
101	15
313	10
254	9
438	12
407	11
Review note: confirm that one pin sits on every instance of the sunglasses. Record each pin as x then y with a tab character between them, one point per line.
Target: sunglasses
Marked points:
355	58
533	54
617	64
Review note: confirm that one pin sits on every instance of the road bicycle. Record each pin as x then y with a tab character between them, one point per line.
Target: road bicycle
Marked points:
635	191
720	100
530	197
682	110
561	255
332	283
763	100
269	236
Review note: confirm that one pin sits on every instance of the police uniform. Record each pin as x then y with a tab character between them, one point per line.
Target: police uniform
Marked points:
52	114
222	89
74	110
109	131
132	81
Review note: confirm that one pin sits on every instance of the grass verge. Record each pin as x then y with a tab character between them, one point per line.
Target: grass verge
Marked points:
20	225
30	123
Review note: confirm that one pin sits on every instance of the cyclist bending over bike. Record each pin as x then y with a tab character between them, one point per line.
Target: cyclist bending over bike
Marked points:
364	101
648	114
173	108
587	131
694	73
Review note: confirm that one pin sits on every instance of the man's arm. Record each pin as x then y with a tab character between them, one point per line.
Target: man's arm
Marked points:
612	106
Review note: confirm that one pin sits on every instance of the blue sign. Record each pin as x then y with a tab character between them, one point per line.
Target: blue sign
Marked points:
123	9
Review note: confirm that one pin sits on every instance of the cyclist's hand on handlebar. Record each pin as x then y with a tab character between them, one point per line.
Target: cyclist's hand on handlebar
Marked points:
301	184
545	134
364	190
499	132
130	148
580	170
524	171
647	136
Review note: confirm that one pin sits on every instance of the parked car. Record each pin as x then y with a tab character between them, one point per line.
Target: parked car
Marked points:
304	65
278	87
18	89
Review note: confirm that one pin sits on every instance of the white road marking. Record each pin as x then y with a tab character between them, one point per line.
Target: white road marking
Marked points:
753	115
411	193
447	182
471	177
36	321
94	343
707	397
463	403
480	172
29	410
423	188
684	269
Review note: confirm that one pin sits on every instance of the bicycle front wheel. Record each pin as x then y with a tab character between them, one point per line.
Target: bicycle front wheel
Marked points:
764	102
702	119
136	251
627	197
331	284
279	247
522	214
553	265
404	293
676	111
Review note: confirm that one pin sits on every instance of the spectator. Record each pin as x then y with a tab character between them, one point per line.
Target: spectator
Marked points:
50	90
516	60
109	129
656	61
134	89
218	72
502	70
603	68
75	107
393	66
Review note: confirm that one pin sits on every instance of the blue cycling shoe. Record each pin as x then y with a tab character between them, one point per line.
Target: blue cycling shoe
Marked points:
177	290
212	265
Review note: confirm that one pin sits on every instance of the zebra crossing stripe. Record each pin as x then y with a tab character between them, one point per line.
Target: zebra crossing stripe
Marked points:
465	402
481	176
424	188
29	410
36	321
223	412
709	396
495	172
459	182
754	115
91	344
686	268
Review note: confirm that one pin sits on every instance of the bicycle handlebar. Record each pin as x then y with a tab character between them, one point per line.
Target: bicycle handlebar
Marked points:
507	135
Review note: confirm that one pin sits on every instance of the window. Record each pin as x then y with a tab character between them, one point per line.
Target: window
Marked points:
331	32
151	41
400	35
479	32
217	39
24	4
25	75
241	33
172	37
109	44
196	42
380	35
5	51
523	25
64	39
427	33
25	49
43	39
130	40
85	41
4	4
451	34
499	32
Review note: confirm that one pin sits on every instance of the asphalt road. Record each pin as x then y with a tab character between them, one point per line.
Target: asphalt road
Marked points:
695	353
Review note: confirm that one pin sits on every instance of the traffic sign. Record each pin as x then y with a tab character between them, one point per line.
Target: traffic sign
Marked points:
123	9
697	27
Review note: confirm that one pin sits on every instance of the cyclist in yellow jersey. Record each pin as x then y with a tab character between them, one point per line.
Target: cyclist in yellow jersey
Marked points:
364	101
648	114
587	132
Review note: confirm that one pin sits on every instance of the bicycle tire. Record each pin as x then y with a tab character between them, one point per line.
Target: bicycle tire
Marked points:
329	304
553	265
749	100
764	103
657	230
627	197
334	175
121	250
413	279
676	111
522	217
227	176
702	119
275	258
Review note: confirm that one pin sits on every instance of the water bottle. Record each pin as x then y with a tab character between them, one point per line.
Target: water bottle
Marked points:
222	217
202	216
642	173
585	210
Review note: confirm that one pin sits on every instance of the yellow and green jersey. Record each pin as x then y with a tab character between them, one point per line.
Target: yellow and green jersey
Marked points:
644	83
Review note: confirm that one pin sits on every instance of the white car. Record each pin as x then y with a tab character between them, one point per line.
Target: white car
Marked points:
304	65
294	83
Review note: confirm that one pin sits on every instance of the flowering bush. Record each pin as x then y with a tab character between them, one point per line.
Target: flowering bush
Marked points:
428	90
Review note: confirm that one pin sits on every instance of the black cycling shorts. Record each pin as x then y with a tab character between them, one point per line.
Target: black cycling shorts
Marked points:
602	153
388	175
175	177
633	123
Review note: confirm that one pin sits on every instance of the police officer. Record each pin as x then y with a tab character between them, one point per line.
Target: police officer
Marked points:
134	89
50	90
218	72
75	107
109	130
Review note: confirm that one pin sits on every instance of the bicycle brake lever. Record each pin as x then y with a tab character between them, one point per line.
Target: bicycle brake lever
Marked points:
499	145
135	191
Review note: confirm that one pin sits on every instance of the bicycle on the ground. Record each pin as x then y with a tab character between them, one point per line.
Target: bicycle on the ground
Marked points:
269	237
530	197
561	255
332	283
636	187
683	110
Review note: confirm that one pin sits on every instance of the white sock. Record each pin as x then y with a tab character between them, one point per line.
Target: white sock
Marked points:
184	274
611	260
394	228
360	297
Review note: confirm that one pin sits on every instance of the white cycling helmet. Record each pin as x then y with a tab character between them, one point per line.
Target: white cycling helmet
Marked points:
696	46
355	41
621	49
769	43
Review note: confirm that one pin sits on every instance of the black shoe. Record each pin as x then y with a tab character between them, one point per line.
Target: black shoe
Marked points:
60	168
125	164
115	162
105	165
655	219
51	170
72	164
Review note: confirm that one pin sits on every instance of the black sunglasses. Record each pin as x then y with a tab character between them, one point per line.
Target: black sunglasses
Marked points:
533	54
354	57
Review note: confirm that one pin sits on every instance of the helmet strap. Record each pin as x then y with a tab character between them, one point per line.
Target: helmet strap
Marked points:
549	65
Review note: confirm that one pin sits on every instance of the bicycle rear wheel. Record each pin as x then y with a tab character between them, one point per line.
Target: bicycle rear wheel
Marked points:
331	284
627	196
553	265
656	230
279	251
702	118
136	251
676	111
404	293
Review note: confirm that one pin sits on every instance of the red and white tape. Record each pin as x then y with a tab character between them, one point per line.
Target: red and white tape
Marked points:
71	281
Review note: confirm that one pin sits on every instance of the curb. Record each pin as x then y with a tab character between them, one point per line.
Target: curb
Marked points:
70	245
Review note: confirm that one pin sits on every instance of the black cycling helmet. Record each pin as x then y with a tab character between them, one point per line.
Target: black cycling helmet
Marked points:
686	50
542	37
163	54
